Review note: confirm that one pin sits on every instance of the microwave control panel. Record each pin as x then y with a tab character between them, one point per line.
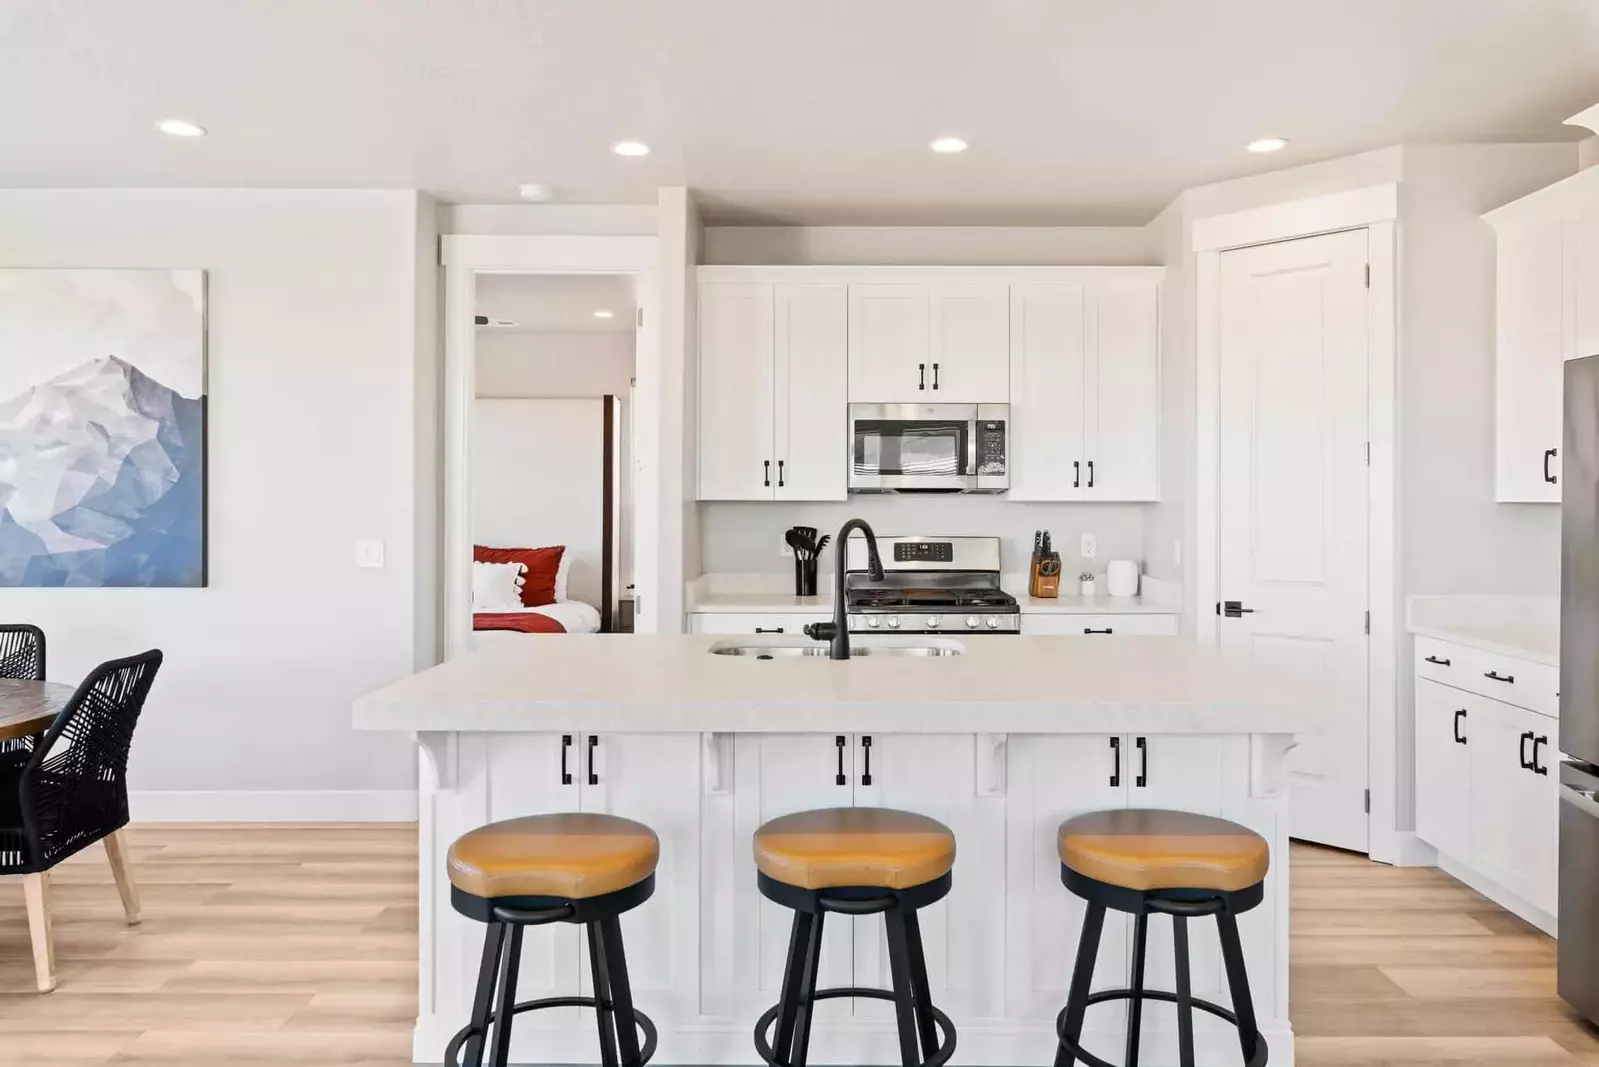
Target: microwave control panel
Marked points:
991	447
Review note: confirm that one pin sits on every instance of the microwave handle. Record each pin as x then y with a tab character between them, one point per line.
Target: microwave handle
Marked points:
971	446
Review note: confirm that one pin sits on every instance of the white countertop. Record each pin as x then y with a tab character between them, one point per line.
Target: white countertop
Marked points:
762	603
657	683
1525	627
760	595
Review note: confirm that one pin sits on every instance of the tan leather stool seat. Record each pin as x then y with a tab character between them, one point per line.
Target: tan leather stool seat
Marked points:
570	856
835	847
1153	849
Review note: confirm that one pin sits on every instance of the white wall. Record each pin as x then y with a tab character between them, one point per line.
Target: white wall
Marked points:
1170	537
317	378
967	246
618	220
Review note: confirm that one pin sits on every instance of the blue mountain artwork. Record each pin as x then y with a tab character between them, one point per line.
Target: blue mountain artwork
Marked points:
102	481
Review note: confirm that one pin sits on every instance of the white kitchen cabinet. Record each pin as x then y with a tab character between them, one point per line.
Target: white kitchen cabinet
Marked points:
1530	354
1581	249
1106	625
773	374
969	344
888	344
1444	734
1514	807
726	622
1085	387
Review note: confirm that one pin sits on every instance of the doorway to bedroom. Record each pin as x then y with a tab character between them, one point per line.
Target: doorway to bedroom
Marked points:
551	466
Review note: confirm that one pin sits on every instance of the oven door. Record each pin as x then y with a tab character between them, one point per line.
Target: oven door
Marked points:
930	448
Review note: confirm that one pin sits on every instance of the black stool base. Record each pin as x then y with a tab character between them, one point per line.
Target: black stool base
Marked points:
1072	1048
452	1051
940	1056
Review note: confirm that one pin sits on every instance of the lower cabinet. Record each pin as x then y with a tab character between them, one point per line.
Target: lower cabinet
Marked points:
1444	729
726	622
1039	624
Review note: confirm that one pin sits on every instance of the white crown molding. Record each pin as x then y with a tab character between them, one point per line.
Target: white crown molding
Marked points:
1588	119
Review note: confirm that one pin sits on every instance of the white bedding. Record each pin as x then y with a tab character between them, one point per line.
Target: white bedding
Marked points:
576	616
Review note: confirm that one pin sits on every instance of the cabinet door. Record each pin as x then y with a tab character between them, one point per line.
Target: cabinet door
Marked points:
1121	420
735	392
888	345
654	779
969	347
1046	392
935	775
1530	360
1581	243
1513	808
1050	778
776	774
1444	732
812	363
716	622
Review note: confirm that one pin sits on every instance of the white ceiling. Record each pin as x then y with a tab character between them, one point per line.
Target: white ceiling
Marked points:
778	110
557	303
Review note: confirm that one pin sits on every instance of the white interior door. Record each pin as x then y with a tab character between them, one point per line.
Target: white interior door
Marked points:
1294	337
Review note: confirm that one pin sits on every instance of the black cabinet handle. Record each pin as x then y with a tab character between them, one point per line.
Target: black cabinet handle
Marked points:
1509	679
780	474
1521	754
1538	768
1091	630
866	754
1077	474
1116	775
566	743
935	375
921	376
1090	474
1439	662
1143	763
1549	454
594	743
839	778
768	629
766	473
1460	717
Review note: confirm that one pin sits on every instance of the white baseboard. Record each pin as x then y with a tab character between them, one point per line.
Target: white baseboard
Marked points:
273	805
1497	893
1410	851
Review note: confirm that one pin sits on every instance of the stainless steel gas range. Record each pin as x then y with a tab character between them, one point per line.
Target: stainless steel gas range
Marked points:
931	585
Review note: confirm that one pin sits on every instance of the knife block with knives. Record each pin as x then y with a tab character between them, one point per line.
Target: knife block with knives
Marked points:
1044	580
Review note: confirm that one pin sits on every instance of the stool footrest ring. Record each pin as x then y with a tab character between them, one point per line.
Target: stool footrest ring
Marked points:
1075	1049
946	1028
645	1024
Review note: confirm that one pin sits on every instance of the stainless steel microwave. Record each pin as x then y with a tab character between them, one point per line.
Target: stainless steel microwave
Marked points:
928	448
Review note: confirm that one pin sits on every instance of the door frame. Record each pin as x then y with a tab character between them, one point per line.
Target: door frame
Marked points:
1376	210
463	258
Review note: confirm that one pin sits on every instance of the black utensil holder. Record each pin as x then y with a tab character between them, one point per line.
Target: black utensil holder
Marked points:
804	577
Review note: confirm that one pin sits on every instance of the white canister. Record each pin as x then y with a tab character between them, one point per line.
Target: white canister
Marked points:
1085	584
1121	578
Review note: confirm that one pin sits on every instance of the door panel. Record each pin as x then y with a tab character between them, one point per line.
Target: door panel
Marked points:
1529	359
812	408
735	392
1444	736
1122	416
1293	488
969	344
1046	392
888	345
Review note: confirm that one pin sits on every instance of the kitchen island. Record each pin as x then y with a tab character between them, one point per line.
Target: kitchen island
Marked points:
1001	740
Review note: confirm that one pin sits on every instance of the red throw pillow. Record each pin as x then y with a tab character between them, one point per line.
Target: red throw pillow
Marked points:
542	565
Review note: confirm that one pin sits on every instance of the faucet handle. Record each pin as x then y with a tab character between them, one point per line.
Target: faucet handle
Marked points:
821	631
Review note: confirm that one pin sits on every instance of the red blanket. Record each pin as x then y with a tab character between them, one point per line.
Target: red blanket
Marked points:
527	622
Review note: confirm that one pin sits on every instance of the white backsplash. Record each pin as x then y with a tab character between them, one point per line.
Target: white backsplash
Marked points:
748	537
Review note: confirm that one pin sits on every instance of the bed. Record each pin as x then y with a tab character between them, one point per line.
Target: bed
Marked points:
565	617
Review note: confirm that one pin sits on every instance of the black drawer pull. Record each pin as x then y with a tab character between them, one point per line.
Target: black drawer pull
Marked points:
1439	662
839	779
780	474
594	742
1077	472
921	370
1091	630
768	629
935	375
1116	774
1460	717
766	475
1090	474
1509	679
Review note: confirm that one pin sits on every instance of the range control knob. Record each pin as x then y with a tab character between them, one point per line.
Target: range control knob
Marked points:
893	622
872	621
971	622
993	623
933	621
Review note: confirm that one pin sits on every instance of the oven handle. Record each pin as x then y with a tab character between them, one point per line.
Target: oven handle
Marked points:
971	449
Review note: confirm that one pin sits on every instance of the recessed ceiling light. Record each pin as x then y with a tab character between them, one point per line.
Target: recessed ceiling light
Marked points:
948	146
631	148
604	313
534	192
180	128
1267	144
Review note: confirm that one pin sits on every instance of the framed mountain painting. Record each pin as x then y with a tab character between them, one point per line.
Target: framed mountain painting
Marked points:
102	428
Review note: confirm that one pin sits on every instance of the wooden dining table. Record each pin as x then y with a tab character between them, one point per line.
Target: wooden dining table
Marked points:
28	707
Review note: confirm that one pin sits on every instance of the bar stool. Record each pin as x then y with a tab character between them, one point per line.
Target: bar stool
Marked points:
855	861
1178	864
570	868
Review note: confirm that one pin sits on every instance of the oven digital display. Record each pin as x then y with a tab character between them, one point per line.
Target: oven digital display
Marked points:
924	552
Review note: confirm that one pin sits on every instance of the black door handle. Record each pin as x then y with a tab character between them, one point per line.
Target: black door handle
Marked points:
1538	768
921	376
866	754
1439	662
1460	716
1090	474
780	474
1143	763
1496	676
1116	775
566	743
1521	755
766	473
768	629
1077	474
839	778
1091	630
935	375
1234	609
594	742
1549	454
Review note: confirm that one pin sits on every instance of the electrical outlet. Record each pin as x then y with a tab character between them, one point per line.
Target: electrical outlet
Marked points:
1089	546
786	551
369	554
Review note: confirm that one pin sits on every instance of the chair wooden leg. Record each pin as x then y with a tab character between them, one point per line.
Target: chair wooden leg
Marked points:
116	849
36	888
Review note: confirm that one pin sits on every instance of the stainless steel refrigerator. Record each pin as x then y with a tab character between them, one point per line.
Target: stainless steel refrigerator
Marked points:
1579	689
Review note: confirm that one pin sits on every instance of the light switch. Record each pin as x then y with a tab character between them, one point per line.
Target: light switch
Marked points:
369	553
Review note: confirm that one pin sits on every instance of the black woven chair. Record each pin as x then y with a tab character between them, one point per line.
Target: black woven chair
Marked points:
72	791
21	656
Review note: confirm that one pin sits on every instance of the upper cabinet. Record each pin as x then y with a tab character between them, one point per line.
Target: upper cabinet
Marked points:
773	372
1085	387
929	344
888	334
969	347
1547	311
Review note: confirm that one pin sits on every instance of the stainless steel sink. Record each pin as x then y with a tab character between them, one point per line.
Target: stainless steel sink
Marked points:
819	650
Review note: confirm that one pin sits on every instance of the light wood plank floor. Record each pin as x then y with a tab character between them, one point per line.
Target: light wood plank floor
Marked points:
296	945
